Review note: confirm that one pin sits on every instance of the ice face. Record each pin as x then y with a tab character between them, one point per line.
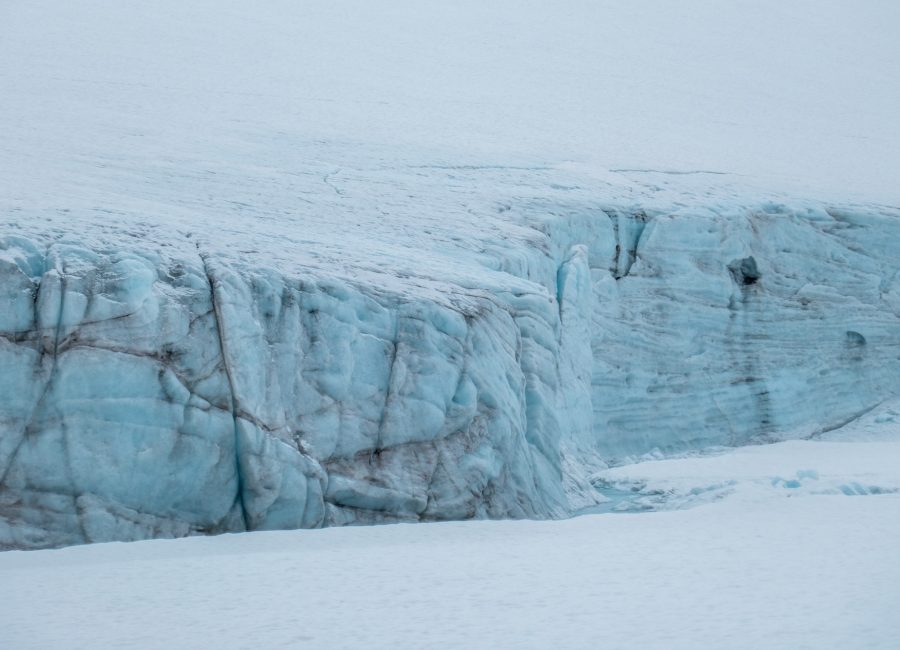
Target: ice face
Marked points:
168	396
154	391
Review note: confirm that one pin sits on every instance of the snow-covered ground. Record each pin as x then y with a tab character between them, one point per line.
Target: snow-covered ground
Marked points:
123	102
766	564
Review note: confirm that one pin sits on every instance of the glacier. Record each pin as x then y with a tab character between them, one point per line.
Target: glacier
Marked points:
318	264
176	388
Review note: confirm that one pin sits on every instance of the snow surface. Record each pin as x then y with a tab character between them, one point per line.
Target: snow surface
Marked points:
318	263
758	568
115	101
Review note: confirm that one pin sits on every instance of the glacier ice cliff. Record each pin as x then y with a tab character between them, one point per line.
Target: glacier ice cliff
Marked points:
164	381
296	264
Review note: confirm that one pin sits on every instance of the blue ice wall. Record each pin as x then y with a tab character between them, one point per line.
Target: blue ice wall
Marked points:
153	391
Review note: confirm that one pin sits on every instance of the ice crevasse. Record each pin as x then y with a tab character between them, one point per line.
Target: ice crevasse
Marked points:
169	385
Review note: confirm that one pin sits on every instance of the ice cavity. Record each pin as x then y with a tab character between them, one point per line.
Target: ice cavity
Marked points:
153	390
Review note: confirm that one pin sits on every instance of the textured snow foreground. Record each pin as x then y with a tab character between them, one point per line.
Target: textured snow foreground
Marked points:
316	264
769	565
